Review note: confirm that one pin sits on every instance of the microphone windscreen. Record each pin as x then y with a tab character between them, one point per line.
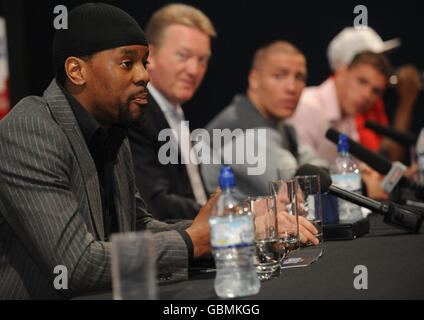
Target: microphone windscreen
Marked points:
374	160
310	170
404	138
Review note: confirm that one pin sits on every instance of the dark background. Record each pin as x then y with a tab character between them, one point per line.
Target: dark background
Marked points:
242	26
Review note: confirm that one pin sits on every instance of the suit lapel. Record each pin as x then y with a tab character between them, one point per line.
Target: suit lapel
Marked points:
122	195
62	113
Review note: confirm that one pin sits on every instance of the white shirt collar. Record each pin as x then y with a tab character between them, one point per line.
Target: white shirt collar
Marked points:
174	111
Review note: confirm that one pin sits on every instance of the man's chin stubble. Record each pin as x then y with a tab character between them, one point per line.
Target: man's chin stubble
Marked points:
126	119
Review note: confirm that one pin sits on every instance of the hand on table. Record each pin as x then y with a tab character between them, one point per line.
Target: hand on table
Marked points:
307	230
199	230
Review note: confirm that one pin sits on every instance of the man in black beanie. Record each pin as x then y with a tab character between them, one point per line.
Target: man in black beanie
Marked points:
67	180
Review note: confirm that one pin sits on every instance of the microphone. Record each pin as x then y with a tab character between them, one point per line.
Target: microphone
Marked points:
403	138
393	214
377	162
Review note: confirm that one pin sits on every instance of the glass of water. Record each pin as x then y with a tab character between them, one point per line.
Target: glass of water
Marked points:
288	226
308	206
267	259
133	266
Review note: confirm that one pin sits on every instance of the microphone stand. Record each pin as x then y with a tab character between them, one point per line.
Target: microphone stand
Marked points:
393	214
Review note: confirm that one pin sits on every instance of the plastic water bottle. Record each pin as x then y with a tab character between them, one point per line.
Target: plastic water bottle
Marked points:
233	243
420	155
345	174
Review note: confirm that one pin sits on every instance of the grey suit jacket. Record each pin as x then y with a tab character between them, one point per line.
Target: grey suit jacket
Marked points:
273	149
50	206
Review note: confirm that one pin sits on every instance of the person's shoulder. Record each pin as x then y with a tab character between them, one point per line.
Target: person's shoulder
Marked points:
30	129
310	97
309	103
217	121
31	107
227	117
31	116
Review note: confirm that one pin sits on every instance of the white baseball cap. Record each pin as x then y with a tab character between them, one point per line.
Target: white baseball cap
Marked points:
351	41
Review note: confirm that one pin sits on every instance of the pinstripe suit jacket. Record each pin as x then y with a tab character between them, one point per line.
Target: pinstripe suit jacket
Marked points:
50	206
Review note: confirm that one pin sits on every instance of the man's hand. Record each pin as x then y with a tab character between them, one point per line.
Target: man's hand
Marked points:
408	85
199	230
412	172
373	180
307	230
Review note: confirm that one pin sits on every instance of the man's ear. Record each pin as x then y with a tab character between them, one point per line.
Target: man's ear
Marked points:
253	79
151	58
76	70
341	71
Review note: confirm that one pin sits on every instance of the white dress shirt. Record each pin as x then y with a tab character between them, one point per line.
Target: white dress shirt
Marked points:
174	115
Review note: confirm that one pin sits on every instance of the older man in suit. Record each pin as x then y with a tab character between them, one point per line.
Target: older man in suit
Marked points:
179	43
66	175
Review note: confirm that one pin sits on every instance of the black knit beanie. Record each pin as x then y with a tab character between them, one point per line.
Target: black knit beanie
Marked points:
94	27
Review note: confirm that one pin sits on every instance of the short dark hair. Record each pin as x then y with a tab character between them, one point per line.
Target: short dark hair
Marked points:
377	60
278	46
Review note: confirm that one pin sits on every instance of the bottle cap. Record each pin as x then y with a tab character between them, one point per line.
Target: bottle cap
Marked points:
226	178
343	145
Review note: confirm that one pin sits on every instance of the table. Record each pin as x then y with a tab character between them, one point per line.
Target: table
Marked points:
394	261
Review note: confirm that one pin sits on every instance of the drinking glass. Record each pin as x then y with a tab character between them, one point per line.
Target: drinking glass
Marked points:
133	266
308	207
267	259
284	192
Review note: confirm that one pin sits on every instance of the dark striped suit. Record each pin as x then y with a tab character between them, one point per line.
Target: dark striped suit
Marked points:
50	205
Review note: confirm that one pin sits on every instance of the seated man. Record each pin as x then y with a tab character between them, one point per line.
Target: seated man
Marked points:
336	102
275	83
67	178
179	44
341	50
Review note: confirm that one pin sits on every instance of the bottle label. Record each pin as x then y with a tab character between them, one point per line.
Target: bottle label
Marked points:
350	182
392	178
232	231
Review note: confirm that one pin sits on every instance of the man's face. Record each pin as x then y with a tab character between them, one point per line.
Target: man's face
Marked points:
360	88
179	63
116	83
278	84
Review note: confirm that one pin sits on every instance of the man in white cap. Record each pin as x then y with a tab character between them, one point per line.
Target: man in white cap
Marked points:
351	41
341	51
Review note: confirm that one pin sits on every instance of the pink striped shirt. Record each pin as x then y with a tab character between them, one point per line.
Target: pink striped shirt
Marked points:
318	110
